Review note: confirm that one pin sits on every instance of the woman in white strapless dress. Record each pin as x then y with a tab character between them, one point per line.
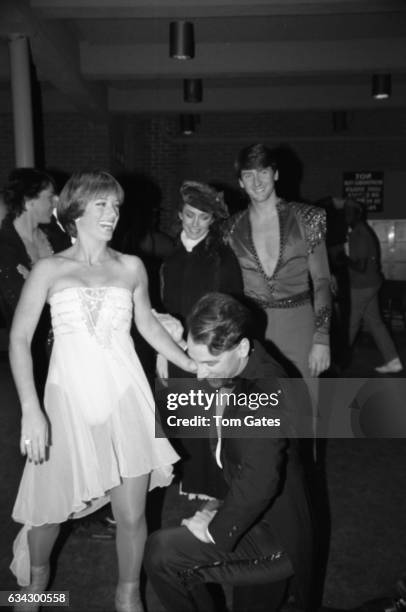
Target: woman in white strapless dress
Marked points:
98	439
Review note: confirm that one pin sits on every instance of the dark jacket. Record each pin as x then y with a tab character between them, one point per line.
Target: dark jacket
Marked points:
186	277
14	254
266	481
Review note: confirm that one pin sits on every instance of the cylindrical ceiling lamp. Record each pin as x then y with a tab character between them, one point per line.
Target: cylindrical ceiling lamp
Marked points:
193	90
187	124
181	40
381	86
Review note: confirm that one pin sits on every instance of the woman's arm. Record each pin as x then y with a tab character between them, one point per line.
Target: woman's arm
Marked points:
148	325
33	296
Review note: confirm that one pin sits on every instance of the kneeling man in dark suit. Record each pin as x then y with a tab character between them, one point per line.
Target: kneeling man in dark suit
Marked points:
261	533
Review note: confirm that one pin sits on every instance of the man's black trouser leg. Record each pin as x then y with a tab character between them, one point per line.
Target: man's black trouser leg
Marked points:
178	565
260	597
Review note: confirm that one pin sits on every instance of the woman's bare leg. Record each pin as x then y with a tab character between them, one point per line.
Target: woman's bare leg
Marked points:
128	504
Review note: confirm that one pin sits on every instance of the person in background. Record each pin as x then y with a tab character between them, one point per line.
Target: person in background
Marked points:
200	263
27	235
365	282
336	237
96	440
281	247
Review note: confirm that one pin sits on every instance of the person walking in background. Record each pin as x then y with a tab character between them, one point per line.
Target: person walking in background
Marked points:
365	282
200	263
280	245
336	237
96	440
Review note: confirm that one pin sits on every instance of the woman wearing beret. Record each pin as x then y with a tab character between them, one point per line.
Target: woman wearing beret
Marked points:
201	263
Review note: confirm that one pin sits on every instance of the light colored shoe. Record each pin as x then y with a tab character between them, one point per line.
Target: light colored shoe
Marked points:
392	367
128	598
39	583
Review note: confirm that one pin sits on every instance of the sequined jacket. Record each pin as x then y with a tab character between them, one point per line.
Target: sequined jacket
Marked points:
302	256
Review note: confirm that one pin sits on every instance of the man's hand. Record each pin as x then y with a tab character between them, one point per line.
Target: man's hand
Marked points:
319	359
198	524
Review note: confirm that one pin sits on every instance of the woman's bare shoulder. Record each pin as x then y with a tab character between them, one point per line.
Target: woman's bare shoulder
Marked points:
130	262
53	266
45	265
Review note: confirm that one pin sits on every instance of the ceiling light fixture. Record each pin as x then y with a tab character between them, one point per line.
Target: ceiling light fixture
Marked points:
181	40
188	124
381	86
193	90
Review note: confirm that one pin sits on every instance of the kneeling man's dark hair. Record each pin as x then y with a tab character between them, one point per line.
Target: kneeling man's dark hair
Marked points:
219	321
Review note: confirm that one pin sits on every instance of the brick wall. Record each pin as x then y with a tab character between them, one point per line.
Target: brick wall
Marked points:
152	147
374	140
71	142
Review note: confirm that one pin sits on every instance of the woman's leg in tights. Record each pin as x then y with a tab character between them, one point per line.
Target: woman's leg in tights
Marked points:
128	505
41	541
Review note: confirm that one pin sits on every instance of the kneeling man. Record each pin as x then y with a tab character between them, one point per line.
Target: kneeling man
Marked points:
262	531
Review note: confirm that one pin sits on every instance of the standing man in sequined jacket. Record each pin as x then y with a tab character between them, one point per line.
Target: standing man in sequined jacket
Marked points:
281	249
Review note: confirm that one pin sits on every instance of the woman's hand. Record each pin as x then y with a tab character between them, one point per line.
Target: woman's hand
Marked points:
161	367
319	359
23	271
34	435
172	325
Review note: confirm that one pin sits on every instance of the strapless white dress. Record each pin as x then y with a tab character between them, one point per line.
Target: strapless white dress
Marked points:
101	413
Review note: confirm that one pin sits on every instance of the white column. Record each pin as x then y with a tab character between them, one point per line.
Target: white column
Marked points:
22	101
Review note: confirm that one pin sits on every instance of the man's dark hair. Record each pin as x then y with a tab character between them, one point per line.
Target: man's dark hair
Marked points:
24	184
219	321
255	157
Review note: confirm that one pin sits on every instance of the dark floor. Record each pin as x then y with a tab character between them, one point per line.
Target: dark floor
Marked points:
367	499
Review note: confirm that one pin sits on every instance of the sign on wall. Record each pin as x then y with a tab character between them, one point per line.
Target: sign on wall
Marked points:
365	187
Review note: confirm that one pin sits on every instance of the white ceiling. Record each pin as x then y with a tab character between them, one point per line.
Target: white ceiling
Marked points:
112	56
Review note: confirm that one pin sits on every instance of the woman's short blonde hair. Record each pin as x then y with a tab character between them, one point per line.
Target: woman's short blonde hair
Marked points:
80	189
